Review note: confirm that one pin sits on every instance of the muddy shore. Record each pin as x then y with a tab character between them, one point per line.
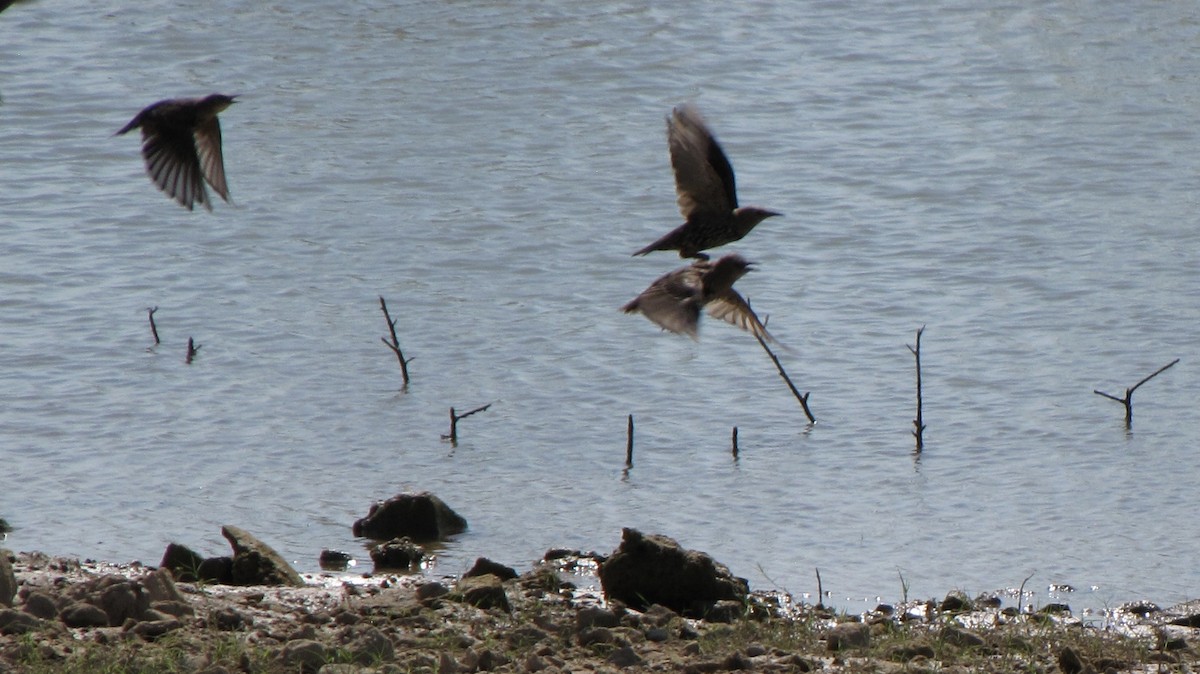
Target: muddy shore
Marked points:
550	619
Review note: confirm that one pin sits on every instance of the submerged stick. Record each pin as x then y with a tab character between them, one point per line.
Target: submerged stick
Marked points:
629	443
394	345
153	328
455	418
820	590
1127	401
193	349
918	423
735	446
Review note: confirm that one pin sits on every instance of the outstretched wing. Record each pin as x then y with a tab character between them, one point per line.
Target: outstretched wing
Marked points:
704	179
730	307
672	302
173	165
208	147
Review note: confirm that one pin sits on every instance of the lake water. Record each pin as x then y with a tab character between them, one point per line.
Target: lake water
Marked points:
1018	178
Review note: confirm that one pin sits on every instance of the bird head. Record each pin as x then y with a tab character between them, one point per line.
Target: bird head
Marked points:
218	102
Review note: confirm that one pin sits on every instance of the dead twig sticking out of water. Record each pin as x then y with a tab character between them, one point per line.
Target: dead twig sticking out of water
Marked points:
918	423
193	349
1021	593
735	447
454	419
153	328
629	443
820	590
1127	401
394	345
783	373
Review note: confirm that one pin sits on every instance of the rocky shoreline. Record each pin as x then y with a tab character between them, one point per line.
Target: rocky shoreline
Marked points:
650	605
83	616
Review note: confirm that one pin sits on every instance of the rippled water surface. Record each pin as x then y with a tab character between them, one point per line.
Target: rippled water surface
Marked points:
1019	179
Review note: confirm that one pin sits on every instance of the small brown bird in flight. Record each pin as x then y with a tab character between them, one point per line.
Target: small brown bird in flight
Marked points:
675	299
181	141
706	190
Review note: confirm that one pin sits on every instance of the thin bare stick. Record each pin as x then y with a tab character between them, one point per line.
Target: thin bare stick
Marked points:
629	443
153	327
455	418
782	373
918	423
1127	401
394	345
1021	594
193	349
735	446
820	591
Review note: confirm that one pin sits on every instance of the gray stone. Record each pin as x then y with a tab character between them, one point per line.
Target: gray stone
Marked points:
82	614
179	609
960	637
305	655
13	621
421	517
482	592
431	590
40	604
121	600
651	569
8	580
160	586
848	635
371	645
595	616
153	629
256	563
624	657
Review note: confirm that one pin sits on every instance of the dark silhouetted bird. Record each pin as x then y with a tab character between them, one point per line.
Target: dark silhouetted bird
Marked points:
181	141
707	192
675	299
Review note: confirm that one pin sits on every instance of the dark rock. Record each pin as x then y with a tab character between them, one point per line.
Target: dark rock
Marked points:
646	570
5	527
398	554
1192	620
431	590
624	657
484	566
13	621
421	517
122	599
848	635
371	645
725	611
1071	663
1055	608
41	605
955	602
228	619
904	653
960	637
594	616
179	609
482	592
153	629
84	615
182	562
8	580
737	662
334	560
595	635
217	570
256	563
304	655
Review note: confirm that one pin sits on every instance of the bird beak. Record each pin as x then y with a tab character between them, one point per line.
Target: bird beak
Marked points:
771	214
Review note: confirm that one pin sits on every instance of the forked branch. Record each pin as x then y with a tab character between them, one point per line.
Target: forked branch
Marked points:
394	345
1127	401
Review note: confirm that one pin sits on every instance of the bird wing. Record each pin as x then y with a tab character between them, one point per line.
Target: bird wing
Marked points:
730	307
703	177
672	301
173	165
208	147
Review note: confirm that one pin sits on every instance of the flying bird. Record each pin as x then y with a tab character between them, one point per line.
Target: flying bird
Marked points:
181	142
706	190
675	299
